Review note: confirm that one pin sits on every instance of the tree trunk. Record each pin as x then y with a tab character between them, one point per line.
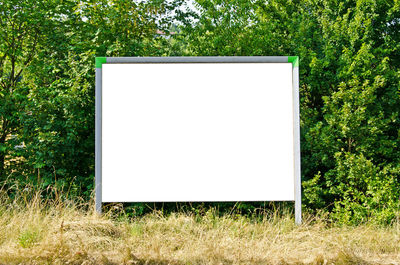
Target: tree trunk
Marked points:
2	169
2	158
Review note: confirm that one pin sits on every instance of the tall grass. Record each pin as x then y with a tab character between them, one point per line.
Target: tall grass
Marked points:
34	230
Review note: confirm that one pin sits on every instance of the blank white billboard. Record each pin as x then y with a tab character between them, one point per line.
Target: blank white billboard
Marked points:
197	132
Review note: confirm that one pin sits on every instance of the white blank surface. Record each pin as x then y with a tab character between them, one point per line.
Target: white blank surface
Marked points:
197	132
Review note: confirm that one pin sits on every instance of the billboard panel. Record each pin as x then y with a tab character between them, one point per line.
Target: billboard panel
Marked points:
197	130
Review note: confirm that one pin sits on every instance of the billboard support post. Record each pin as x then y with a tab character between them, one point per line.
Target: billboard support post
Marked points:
296	118
98	127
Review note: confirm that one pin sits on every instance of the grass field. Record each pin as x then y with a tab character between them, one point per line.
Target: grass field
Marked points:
34	231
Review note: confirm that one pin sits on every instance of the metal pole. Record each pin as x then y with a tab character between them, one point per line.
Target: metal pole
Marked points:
297	171
98	199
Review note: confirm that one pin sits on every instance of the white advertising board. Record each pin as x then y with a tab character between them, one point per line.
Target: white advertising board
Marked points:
198	132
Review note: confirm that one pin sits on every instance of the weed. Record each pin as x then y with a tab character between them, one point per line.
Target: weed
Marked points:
28	238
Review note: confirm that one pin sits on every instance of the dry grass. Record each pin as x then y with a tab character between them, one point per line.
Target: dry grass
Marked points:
36	232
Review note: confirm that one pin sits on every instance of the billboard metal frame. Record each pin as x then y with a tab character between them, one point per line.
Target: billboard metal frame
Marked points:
219	59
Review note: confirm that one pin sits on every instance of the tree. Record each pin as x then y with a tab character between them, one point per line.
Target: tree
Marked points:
22	24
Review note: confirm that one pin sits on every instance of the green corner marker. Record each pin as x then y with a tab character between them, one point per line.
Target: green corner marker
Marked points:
294	60
100	61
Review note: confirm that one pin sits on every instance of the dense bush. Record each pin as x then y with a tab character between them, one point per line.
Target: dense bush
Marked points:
349	81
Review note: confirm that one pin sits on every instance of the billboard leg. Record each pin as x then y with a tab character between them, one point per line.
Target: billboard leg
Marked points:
297	212
98	188
297	170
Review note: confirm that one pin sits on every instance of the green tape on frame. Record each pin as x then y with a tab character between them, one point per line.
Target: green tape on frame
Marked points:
100	61
294	60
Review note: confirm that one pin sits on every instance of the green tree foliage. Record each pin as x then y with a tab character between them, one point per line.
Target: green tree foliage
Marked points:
359	131
21	26
349	83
